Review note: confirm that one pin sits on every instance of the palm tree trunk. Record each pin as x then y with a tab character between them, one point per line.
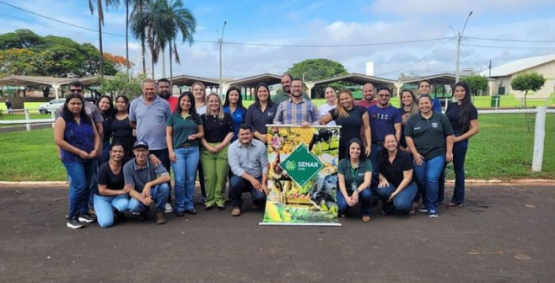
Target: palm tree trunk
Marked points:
101	67
143	50
152	63
171	71
127	37
163	63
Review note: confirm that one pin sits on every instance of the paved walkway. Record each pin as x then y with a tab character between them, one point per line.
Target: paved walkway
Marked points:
505	233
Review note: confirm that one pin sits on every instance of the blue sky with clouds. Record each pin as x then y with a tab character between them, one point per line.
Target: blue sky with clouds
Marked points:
317	23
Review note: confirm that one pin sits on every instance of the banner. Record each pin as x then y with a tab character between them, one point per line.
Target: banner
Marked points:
302	178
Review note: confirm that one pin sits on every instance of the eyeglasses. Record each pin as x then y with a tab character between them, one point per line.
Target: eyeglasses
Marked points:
296	86
76	90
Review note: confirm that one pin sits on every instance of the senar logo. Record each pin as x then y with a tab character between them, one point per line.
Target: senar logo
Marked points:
290	165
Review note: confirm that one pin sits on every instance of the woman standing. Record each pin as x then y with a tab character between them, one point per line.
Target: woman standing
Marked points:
218	128
106	107
122	133
199	92
112	195
79	142
354	176
396	189
233	105
407	109
463	117
261	112
430	140
351	118
331	102
183	132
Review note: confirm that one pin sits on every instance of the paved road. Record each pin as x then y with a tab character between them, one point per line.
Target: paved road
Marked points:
504	233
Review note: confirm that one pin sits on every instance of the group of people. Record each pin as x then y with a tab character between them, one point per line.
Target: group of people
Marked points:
118	155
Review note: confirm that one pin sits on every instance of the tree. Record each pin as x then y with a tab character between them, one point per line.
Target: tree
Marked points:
530	81
317	69
21	38
122	84
140	22
100	13
476	83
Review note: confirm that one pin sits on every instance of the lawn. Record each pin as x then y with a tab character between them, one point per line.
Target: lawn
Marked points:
502	150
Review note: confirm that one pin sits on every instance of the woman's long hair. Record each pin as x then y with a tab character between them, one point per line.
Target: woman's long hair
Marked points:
68	116
111	112
269	103
413	106
239	102
362	156
203	89
221	113
340	111
466	105
125	99
192	110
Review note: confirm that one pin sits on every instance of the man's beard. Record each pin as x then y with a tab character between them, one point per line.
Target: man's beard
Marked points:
165	95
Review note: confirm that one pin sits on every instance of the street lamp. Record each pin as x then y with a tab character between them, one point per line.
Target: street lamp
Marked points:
459	37
220	42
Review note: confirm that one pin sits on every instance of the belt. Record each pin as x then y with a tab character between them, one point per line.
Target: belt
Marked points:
186	145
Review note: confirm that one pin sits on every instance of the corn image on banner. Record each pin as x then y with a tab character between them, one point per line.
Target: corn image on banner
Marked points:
302	178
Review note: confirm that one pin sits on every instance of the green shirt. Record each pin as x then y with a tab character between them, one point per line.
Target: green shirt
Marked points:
182	129
351	173
429	134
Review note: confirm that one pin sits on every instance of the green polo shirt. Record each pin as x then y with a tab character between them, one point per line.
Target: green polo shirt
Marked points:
183	127
429	134
346	169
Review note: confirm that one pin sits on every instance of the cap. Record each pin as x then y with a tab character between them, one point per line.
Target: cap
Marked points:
140	143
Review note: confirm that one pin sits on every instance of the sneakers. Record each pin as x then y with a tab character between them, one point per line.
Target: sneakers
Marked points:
422	209
236	211
168	208
74	223
160	219
366	218
453	205
87	218
432	214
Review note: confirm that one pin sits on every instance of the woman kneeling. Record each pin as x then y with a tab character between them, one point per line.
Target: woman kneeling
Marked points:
112	197
396	189
354	175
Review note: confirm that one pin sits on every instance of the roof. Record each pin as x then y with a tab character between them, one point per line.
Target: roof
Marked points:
519	66
269	79
189	80
357	78
14	80
437	79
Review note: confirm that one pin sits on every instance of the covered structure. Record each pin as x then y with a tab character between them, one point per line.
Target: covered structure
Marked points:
248	84
443	79
53	82
353	78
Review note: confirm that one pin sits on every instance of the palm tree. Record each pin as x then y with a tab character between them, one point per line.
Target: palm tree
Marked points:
140	21
100	12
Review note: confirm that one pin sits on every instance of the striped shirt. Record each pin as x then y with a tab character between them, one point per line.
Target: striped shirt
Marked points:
291	113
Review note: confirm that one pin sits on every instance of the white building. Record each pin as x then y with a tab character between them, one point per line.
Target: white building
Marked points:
502	76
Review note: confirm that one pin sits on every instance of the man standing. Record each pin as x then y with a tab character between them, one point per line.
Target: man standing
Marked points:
148	114
9	107
368	96
147	183
424	88
165	92
286	81
95	115
384	120
249	163
296	110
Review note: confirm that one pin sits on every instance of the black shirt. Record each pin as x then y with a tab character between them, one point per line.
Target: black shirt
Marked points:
403	141
393	173
215	129
453	114
258	119
350	126
429	134
106	127
107	177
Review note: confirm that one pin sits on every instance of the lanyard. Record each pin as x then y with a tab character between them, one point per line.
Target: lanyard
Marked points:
354	174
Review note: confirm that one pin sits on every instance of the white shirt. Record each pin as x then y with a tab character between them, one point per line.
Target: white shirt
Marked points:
324	110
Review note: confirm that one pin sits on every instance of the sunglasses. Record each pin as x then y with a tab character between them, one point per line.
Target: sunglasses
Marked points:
76	90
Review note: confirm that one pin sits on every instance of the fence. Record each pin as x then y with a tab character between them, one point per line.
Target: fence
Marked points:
28	121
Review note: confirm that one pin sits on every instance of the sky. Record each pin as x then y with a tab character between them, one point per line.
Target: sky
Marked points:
399	36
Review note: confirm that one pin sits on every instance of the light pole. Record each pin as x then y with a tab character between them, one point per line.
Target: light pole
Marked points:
459	37
221	41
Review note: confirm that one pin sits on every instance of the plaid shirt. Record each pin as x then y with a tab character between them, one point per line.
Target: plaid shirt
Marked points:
290	113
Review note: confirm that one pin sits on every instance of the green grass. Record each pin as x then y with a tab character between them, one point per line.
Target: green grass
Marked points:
502	150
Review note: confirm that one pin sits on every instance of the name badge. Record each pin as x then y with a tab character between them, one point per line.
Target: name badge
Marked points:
434	125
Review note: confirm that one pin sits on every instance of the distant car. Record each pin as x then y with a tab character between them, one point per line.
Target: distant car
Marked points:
51	106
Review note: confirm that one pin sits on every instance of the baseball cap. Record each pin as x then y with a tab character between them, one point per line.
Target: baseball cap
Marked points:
140	143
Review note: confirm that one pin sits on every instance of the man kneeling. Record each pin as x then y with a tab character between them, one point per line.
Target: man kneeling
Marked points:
248	160
149	183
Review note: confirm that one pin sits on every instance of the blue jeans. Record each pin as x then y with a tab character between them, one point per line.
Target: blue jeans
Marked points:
427	176
184	170
364	198
459	156
238	185
105	153
159	194
105	205
375	159
164	156
402	203
80	178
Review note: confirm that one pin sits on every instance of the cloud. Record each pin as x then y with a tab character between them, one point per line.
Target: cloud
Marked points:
419	8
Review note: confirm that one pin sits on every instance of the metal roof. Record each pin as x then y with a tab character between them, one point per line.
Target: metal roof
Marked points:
357	78
519	66
437	79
